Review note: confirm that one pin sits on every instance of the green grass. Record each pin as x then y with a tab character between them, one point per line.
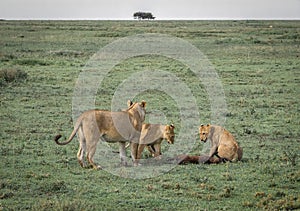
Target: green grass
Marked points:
259	69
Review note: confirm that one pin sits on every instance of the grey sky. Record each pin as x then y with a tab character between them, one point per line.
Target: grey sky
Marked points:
162	9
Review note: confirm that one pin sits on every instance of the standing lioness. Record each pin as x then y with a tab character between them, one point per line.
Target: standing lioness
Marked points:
122	126
223	144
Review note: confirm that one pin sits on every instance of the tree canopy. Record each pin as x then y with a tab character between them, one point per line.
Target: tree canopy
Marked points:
143	15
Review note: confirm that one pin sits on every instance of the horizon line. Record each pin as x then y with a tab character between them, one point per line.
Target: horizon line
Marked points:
163	19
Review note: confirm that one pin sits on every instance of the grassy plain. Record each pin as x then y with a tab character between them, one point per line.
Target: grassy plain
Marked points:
257	62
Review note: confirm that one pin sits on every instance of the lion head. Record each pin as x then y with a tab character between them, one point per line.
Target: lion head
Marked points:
139	107
169	134
204	132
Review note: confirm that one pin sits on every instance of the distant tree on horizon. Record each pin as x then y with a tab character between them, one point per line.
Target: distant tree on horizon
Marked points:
143	15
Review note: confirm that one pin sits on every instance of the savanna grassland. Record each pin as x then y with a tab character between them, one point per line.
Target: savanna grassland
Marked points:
259	67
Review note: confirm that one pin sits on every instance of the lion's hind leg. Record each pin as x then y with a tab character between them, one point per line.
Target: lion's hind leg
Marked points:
151	150
82	148
227	152
90	157
91	149
91	146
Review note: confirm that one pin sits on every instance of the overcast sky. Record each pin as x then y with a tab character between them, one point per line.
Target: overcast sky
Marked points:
161	9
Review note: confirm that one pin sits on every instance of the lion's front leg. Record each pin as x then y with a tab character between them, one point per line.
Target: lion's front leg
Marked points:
212	152
122	151
140	151
134	152
157	153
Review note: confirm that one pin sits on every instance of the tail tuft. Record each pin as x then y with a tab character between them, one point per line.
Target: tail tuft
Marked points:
56	138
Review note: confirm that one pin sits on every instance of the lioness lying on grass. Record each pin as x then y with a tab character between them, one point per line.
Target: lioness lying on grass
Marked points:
122	126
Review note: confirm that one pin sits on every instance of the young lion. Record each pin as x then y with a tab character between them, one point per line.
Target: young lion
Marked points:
152	135
122	126
223	144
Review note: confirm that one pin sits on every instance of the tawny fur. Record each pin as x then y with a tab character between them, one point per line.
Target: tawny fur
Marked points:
152	135
123	126
223	144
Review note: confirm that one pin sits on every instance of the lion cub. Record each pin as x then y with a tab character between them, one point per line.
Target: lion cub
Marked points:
223	144
152	135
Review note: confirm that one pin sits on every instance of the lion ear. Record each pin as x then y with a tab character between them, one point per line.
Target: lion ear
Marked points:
208	125
172	126
143	103
129	103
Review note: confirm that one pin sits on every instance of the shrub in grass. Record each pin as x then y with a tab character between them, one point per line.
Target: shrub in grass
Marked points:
31	62
11	75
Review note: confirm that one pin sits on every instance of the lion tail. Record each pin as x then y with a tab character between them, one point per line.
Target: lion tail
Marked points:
240	153
57	137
